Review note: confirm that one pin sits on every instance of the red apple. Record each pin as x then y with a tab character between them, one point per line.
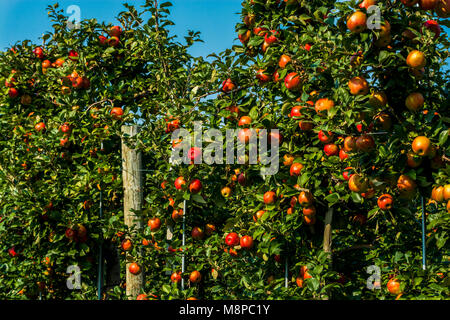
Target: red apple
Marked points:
271	36
195	186
115	31
433	26
117	113
292	81
325	137
331	149
73	55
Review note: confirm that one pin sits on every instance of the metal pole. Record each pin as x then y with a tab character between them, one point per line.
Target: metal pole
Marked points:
286	274
423	237
100	250
183	243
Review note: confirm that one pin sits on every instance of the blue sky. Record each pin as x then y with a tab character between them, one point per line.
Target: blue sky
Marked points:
215	19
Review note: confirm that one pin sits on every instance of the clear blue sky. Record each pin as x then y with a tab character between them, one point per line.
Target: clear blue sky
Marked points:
215	19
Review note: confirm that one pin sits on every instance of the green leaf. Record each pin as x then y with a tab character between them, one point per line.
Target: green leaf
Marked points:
198	198
332	198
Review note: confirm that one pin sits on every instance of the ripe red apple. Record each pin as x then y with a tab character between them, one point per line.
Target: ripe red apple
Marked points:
325	137
367	3
358	86
358	183
349	144
38	52
261	76
295	169
12	251
10	83
197	233
305	125
64	142
270	197
276	76
305	199
179	182
422	146
406	186
244	37
433	26
295	112
246	242
244	121
103	40
77	82
284	60
393	286
73	55
70	234
365	143
46	64
274	138
323	104
414	101
117	113
413	160
113	41
115	31
226	192
343	155
271	37
331	149
259	31
292	81
242	180
228	86
134	268
232	239
39	126
347	173
385	202
172	126
13	92
249	19
356	23
195	186
154	224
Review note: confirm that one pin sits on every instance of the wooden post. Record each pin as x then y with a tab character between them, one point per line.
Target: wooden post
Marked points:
327	231
133	200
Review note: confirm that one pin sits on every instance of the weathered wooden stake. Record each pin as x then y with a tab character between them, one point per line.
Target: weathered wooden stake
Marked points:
327	231
133	200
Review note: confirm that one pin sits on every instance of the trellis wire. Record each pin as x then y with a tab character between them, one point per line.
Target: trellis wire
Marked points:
286	274
183	243
100	251
423	238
